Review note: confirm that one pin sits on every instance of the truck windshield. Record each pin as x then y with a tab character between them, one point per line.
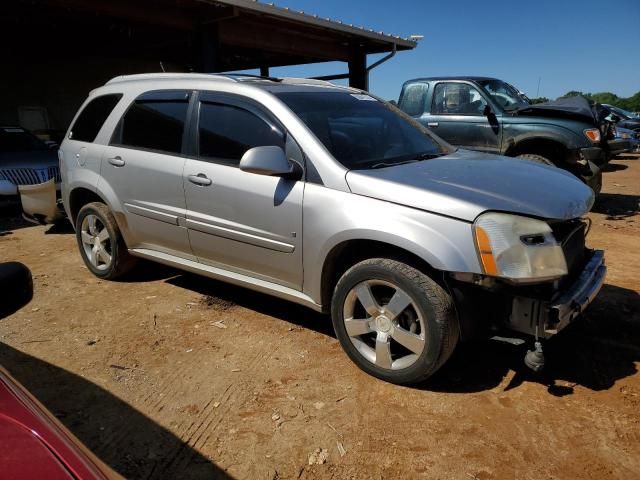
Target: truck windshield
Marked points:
362	132
504	94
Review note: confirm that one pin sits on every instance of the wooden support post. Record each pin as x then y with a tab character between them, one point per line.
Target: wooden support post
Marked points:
358	75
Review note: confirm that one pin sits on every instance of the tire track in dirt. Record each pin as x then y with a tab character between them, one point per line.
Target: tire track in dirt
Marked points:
200	431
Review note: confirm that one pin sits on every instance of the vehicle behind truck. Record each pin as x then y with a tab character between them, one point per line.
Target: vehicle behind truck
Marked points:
489	115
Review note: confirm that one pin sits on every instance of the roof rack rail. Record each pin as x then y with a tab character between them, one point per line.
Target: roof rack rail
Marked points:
305	81
169	76
248	76
285	80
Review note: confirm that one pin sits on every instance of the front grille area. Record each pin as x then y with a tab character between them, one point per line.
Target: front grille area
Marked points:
571	236
30	176
54	172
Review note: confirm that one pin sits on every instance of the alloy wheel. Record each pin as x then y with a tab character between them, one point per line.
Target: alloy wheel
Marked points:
384	324
96	242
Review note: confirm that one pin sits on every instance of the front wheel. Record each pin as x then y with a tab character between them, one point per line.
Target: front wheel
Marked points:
394	321
536	159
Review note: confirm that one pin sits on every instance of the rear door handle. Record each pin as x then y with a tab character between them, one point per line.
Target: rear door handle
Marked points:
116	161
432	124
200	179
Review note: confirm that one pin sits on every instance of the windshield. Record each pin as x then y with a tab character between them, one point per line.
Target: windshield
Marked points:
504	94
362	132
15	139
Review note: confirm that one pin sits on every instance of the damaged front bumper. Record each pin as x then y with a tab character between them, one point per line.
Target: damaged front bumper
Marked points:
545	318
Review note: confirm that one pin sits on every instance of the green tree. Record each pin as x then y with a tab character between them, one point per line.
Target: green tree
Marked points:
539	100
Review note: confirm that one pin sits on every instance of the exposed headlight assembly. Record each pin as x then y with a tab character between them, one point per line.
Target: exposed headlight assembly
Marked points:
592	134
518	248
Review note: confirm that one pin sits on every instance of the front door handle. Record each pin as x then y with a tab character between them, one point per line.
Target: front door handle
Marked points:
432	124
200	179
116	161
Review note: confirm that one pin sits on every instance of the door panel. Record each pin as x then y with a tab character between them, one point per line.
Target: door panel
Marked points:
241	221
471	132
143	167
149	188
457	116
246	222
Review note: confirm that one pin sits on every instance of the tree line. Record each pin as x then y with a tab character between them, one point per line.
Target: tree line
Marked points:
631	103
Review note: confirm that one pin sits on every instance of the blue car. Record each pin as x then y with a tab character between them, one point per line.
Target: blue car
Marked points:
633	137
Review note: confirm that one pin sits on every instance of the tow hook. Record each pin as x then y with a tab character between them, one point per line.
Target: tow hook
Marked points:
534	359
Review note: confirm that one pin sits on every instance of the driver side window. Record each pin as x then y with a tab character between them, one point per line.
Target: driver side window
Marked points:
457	99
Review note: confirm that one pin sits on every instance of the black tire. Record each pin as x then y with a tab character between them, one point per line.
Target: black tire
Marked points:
596	184
429	300
536	158
16	287
121	261
594	181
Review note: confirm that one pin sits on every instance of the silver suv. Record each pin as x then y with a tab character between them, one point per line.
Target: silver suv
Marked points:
334	199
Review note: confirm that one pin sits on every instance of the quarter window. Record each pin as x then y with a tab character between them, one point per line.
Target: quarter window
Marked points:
226	132
413	99
457	99
155	121
92	117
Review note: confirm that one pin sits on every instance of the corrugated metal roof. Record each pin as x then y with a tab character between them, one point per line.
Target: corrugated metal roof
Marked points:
315	20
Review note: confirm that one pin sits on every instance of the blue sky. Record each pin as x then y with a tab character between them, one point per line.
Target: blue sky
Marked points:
587	45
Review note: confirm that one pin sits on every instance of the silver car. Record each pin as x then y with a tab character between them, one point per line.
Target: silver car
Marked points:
331	198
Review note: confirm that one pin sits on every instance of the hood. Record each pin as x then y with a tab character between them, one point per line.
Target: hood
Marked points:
465	184
30	159
569	107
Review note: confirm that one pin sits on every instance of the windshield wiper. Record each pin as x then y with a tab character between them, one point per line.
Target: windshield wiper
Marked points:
392	164
427	156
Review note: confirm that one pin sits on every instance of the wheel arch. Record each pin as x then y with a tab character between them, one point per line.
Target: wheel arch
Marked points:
347	253
551	148
79	197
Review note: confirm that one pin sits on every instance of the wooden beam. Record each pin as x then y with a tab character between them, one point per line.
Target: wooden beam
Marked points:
264	36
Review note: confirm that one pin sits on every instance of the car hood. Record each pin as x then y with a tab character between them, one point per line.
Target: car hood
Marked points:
577	108
32	159
631	123
465	184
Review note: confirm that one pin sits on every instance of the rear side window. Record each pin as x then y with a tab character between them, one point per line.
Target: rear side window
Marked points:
154	121
413	99
226	132
92	117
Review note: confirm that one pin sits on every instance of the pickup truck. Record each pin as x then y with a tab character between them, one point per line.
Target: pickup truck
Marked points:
489	115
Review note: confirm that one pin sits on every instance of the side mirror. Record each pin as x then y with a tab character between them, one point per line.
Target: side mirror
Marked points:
487	111
270	161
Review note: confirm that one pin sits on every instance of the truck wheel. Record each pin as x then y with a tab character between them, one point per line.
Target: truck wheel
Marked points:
101	245
394	321
536	158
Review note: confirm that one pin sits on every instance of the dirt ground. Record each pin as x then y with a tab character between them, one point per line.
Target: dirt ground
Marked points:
144	374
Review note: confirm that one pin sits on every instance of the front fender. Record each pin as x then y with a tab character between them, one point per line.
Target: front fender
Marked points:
518	133
332	218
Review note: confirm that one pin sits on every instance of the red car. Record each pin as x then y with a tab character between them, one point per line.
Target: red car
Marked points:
35	445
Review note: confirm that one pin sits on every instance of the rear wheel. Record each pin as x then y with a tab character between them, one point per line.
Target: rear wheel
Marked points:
101	245
394	321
